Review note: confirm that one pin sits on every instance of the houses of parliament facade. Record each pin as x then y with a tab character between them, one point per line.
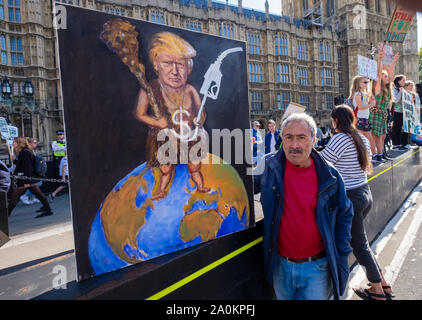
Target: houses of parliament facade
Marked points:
306	54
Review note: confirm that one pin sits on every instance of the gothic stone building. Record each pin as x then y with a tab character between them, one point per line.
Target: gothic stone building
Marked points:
307	54
28	54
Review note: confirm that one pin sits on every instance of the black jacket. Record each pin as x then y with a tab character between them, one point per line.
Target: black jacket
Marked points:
25	166
4	177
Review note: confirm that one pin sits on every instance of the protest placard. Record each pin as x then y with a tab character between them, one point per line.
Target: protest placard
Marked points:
388	56
400	23
418	107
12	134
367	68
293	108
411	120
3	128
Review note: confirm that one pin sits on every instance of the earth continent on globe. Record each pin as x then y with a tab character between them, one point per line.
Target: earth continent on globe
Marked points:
129	227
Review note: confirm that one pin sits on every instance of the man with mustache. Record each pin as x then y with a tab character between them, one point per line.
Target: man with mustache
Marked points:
307	218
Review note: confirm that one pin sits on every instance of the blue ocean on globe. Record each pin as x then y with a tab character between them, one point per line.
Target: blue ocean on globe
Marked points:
160	234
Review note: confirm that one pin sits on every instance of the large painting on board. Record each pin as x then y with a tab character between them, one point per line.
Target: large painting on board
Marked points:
141	101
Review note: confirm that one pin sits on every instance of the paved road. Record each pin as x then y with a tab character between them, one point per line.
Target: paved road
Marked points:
409	281
23	218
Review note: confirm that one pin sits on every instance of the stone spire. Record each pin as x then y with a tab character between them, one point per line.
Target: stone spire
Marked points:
267	10
239	5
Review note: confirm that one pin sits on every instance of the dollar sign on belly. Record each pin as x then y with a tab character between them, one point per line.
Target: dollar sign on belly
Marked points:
177	119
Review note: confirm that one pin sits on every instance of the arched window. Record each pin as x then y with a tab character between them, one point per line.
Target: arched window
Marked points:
3	49
1	10
27	124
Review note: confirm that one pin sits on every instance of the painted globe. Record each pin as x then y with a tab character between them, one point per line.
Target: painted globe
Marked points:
129	227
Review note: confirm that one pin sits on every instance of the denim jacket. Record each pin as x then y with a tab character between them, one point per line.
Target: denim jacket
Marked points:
334	215
268	141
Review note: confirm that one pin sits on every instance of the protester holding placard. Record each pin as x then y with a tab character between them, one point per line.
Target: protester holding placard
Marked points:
411	109
409	86
417	138
359	94
378	118
399	137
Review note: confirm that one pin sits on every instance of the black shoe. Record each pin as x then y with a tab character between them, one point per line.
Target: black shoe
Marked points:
384	156
402	148
378	157
42	209
44	214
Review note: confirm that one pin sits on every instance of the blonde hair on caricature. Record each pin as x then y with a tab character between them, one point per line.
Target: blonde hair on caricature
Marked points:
172	43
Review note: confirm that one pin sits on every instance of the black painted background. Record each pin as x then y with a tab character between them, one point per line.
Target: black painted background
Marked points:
104	140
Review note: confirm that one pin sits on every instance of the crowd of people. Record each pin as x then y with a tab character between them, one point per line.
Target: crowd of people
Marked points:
378	107
378	110
315	193
24	164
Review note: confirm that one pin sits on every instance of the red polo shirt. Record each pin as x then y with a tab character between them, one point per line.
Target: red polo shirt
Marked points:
299	236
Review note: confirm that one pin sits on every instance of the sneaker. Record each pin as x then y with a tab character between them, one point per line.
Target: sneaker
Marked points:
51	197
379	157
25	199
44	214
402	148
384	156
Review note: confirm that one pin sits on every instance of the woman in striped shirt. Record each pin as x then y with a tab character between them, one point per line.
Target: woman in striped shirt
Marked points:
349	151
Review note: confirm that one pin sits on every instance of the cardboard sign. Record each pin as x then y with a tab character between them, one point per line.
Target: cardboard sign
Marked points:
12	134
399	25
4	128
293	108
367	68
411	120
418	107
388	56
13	131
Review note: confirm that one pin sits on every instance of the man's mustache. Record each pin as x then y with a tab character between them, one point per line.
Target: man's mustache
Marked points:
295	151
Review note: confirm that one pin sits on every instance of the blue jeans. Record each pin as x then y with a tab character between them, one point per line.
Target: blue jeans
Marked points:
302	281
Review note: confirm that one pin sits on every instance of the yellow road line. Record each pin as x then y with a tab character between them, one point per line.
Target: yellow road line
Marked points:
391	167
220	261
204	270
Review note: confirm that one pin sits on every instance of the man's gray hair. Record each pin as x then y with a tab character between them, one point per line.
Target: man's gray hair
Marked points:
300	117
